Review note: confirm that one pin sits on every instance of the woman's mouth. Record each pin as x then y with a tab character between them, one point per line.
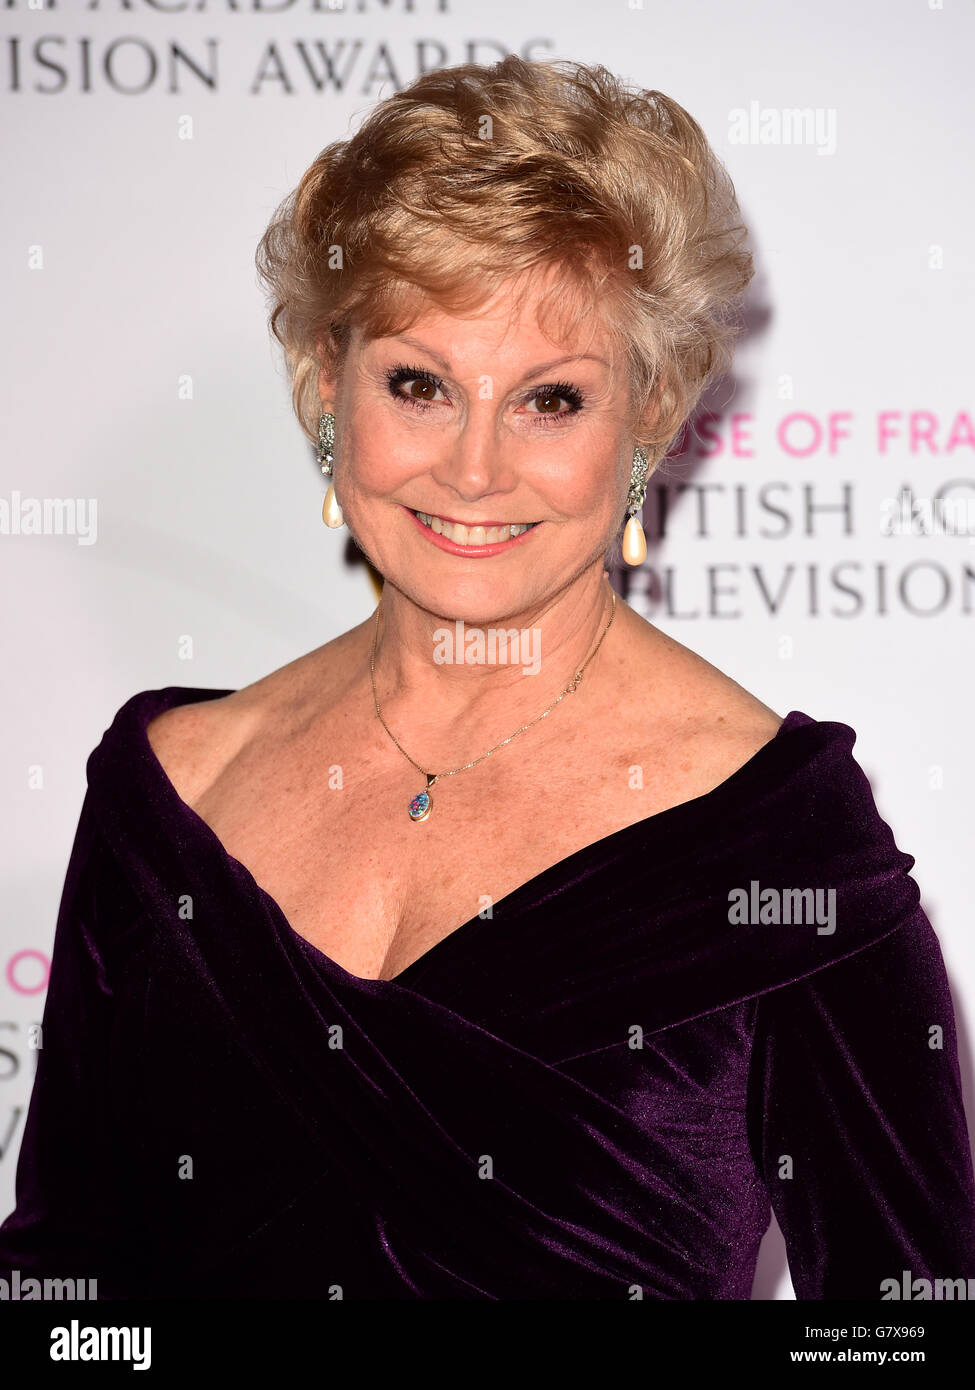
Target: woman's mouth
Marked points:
474	540
475	534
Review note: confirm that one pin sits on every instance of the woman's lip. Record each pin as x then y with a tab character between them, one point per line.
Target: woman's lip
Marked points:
457	521
469	551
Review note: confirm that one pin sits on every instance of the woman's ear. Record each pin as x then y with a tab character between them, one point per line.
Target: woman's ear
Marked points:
648	417
331	358
326	391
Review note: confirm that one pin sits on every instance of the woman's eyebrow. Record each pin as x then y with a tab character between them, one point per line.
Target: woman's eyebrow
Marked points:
532	371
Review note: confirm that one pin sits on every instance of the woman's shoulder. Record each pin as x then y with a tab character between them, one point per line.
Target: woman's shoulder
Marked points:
195	739
711	723
726	746
808	800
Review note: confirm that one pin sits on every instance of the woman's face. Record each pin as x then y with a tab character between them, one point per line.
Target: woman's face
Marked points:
482	421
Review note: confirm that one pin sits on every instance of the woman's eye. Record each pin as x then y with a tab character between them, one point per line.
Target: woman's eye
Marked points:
553	401
414	387
420	389
548	403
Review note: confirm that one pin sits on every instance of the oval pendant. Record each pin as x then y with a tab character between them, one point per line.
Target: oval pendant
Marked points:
420	806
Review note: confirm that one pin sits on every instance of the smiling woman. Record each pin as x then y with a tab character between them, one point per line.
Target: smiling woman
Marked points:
527	1031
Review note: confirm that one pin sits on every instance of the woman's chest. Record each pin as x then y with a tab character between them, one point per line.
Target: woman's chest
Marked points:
374	889
640	1146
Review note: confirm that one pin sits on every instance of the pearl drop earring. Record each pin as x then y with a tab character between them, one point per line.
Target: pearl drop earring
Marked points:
331	511
634	540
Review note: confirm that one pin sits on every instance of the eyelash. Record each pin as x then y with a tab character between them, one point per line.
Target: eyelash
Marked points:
395	376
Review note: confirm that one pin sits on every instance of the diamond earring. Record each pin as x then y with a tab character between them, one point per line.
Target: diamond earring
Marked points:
634	539
331	511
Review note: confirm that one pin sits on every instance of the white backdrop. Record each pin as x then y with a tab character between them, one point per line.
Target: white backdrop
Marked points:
144	150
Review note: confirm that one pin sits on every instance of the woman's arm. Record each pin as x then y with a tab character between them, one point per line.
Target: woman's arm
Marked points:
860	1124
63	1226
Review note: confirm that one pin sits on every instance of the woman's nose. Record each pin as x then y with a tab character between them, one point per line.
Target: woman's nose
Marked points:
476	460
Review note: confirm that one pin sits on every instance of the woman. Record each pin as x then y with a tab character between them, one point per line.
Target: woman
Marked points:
403	975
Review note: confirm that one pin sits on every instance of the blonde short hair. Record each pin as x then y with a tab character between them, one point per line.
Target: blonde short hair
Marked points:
473	174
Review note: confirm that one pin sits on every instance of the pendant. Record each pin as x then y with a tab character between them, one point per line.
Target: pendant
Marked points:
422	803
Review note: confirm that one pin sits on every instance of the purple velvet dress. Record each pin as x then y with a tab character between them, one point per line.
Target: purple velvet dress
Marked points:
601	1092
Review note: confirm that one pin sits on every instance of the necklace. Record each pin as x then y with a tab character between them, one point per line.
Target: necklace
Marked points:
422	804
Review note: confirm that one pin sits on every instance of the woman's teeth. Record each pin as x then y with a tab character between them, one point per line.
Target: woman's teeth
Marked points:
473	535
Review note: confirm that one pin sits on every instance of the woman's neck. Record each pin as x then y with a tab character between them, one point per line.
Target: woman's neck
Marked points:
440	672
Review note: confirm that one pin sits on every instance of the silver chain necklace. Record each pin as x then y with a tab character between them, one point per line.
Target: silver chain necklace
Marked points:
422	804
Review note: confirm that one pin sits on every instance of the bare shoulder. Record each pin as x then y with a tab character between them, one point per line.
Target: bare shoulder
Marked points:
194	743
729	732
709	724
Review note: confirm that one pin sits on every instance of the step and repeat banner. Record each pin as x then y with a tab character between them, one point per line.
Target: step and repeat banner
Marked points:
813	534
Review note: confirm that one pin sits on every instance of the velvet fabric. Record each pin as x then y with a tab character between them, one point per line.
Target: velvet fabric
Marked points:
598	1093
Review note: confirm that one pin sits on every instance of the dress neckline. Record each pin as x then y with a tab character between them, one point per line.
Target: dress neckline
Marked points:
145	706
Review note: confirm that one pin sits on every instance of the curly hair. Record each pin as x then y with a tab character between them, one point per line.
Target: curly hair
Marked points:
473	174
